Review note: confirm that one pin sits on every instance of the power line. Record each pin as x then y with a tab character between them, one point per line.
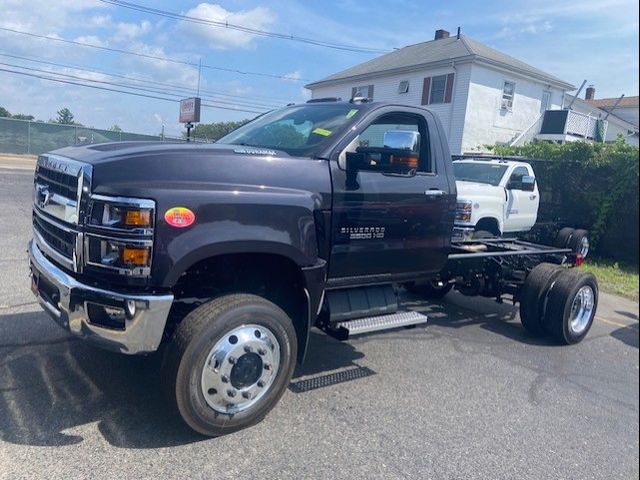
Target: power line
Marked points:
154	57
172	88
58	80
240	28
124	85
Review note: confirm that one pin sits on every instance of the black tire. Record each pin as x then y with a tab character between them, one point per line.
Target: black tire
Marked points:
533	295
429	290
563	237
579	242
480	234
560	301
193	340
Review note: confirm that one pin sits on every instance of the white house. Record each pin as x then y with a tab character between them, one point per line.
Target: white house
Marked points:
482	96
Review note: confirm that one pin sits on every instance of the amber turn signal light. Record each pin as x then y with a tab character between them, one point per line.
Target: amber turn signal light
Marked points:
135	256
138	218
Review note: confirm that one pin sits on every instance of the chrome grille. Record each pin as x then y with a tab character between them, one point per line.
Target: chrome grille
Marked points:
58	208
58	182
61	240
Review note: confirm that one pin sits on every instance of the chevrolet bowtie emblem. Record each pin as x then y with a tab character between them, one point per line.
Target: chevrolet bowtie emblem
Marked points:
44	196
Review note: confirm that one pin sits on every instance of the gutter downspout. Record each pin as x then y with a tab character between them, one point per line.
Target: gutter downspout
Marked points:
453	101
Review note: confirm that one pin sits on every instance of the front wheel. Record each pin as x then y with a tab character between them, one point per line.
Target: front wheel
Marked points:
229	362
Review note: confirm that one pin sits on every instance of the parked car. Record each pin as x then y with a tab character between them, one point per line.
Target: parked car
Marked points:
229	253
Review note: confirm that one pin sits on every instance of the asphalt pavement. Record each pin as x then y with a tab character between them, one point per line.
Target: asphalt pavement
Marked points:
469	395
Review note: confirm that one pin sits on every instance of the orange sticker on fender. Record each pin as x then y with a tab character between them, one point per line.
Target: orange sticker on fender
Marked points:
179	217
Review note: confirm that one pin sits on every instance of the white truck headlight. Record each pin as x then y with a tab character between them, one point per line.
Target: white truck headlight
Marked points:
463	211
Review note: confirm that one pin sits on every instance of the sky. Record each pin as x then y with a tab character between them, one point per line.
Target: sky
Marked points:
596	40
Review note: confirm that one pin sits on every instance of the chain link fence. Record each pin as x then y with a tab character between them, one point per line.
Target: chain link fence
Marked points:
29	137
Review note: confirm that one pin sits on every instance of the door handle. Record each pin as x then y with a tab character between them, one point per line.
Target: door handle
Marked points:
532	197
434	193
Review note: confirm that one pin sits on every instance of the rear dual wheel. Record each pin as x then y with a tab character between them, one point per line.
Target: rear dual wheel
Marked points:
577	240
559	302
229	362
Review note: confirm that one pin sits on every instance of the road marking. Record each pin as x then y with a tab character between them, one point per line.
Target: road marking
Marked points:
611	322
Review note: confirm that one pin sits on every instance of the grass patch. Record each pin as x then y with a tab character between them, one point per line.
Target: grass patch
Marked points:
615	278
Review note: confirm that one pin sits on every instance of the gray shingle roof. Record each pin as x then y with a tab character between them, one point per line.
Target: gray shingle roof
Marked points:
439	51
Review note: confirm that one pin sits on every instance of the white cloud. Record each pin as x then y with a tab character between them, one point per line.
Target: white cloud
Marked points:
293	76
260	18
91	40
126	32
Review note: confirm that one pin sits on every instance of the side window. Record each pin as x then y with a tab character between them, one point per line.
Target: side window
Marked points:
516	176
508	92
404	134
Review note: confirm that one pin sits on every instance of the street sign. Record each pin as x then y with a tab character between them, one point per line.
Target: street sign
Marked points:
190	110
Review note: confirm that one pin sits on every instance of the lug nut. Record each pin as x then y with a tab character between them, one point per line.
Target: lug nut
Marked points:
232	360
247	349
246	395
225	379
261	384
267	366
231	393
262	351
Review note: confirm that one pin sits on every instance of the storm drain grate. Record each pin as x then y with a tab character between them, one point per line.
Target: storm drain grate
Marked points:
326	380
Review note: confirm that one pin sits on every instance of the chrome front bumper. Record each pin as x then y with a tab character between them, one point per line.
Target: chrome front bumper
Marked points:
70	303
462	233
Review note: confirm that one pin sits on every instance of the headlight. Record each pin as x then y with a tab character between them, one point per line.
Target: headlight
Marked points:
129	257
122	213
119	235
463	211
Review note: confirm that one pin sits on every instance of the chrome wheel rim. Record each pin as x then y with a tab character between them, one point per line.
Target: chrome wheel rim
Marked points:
240	368
584	246
582	310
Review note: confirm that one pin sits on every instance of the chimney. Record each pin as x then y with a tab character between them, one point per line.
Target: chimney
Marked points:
590	93
441	34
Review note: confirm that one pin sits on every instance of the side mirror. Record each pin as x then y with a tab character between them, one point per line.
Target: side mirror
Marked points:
527	184
402	140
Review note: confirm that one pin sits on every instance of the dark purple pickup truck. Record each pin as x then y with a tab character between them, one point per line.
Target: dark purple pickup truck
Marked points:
226	255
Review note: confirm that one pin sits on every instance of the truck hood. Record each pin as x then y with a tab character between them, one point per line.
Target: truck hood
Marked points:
142	169
470	190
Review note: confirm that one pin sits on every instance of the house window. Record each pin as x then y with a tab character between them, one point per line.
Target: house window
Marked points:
508	92
365	91
403	87
437	89
438	86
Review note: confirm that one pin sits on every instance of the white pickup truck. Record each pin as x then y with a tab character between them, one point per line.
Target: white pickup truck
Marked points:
495	197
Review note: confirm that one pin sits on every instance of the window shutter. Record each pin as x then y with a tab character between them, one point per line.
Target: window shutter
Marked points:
353	92
426	86
448	90
371	92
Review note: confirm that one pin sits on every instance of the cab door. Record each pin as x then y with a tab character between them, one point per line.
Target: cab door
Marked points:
523	199
387	220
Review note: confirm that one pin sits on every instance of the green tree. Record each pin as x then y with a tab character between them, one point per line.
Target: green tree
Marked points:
22	116
115	128
4	112
65	117
214	131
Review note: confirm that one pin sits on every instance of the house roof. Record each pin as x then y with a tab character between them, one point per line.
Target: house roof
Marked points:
628	102
436	52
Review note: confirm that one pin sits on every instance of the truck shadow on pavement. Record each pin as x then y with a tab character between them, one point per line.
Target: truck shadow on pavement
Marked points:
51	389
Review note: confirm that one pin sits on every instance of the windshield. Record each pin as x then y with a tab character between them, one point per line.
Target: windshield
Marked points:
301	131
479	172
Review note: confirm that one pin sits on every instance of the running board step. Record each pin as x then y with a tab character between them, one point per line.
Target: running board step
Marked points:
343	330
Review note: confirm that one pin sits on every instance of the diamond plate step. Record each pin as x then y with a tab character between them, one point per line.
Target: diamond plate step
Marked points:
382	322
